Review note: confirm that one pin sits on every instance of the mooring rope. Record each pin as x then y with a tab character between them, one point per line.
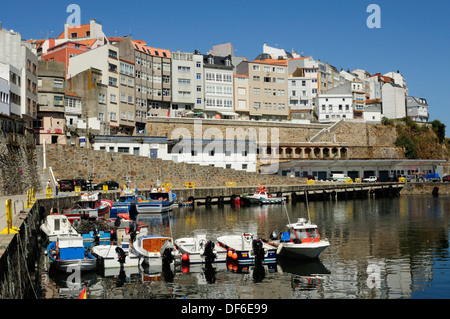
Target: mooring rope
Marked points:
26	267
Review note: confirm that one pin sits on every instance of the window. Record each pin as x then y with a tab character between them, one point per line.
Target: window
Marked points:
112	67
123	150
112	81
123	116
256	78
256	91
58	84
256	68
184	69
199	76
123	97
58	101
101	98
244	166
112	116
113	98
267	79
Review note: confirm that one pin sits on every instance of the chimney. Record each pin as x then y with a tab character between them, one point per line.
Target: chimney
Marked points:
66	31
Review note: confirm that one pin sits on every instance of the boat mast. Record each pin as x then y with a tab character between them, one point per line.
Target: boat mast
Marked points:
307	206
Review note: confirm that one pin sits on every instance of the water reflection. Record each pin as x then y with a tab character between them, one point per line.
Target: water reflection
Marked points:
380	249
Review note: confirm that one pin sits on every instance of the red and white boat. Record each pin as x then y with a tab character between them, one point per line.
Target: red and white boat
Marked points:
89	206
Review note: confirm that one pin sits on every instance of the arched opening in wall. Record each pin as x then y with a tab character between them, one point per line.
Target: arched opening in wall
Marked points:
334	152
343	152
289	152
317	152
308	152
297	152
326	152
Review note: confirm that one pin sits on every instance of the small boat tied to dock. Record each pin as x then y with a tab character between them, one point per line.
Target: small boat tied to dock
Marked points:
301	240
261	197
199	250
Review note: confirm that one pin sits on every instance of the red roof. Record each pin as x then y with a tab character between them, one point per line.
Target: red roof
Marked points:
141	46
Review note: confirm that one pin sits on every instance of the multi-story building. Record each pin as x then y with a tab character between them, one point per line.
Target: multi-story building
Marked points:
153	87
300	99
88	85
106	59
241	96
23	65
393	101
417	109
185	88
51	122
13	76
332	107
63	51
5	107
73	110
126	103
267	88
218	87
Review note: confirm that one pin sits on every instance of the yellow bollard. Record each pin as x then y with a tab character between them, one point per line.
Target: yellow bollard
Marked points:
10	229
28	205
32	196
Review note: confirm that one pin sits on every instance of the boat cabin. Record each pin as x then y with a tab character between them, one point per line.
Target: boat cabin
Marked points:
301	232
152	244
69	248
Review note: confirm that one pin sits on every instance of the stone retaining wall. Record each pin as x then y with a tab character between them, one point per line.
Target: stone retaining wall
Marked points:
69	162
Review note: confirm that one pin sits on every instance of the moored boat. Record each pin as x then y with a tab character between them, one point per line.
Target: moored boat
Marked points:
197	249
158	202
68	253
154	249
302	240
246	250
113	256
123	203
56	225
89	206
261	197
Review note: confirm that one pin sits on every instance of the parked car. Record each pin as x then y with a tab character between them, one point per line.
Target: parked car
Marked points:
371	179
67	185
446	178
81	182
111	185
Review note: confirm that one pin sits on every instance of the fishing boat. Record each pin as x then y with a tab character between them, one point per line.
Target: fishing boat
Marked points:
244	249
197	249
159	201
123	203
261	197
57	225
154	249
68	253
89	206
113	256
301	241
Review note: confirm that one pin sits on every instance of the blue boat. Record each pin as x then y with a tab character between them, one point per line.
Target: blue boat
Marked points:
68	253
158	202
122	205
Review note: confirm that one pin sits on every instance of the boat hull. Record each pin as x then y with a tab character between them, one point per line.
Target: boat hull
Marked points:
246	255
186	246
69	265
108	257
302	251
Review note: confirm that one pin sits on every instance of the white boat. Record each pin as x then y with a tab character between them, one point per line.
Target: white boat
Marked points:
158	202
244	249
68	253
113	256
262	197
56	225
301	241
197	249
154	249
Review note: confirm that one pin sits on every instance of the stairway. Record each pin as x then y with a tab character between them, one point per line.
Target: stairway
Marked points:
44	174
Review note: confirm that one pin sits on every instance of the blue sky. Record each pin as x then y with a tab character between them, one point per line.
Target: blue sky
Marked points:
413	38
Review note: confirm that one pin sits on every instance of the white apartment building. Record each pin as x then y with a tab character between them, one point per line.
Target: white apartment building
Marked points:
4	96
417	109
393	98
105	59
187	86
332	107
300	99
218	84
21	64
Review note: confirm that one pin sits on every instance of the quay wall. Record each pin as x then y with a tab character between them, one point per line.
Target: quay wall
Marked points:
18	162
68	162
426	189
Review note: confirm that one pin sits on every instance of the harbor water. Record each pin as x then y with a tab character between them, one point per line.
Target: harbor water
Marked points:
384	248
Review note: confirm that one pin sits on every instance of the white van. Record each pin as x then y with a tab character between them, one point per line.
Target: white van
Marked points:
339	177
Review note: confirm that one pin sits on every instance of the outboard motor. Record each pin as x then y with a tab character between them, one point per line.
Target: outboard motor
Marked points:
258	251
167	257
117	221
96	235
273	235
133	230
120	255
209	254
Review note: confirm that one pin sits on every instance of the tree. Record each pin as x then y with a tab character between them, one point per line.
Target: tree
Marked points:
439	129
